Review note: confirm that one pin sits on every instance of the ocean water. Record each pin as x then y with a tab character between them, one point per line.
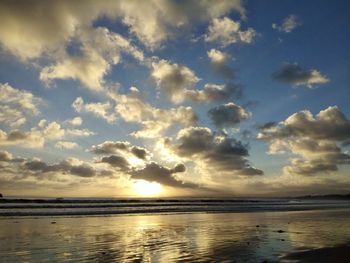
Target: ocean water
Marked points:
85	207
169	231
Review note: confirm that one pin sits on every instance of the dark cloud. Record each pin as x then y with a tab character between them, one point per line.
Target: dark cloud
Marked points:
173	79
139	152
116	161
194	140
154	172
213	92
267	125
293	74
16	135
216	153
36	166
228	115
119	147
109	147
82	170
314	140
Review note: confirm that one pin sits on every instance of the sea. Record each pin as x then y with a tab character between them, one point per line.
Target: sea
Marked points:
174	230
103	207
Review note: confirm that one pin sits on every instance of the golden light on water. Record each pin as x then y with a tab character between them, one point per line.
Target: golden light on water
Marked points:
147	189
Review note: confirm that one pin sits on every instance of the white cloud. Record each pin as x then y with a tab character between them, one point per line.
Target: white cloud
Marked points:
288	24
16	105
96	59
76	121
51	27
66	145
154	121
35	138
100	110
217	56
80	132
219	62
173	79
225	31
313	140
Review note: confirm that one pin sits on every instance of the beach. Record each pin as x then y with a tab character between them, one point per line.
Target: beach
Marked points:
283	236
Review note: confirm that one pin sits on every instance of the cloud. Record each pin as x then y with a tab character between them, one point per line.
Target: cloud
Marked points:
211	152
119	155
154	121
177	83
16	105
80	132
155	22
83	171
38	135
95	61
53	131
228	115
294	75
219	62
214	93
89	69
66	145
119	147
67	166
313	140
225	31
116	161
35	138
76	121
100	110
173	79
53	27
5	156
288	24
154	172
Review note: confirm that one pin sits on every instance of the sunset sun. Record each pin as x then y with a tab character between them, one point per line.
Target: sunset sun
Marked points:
147	189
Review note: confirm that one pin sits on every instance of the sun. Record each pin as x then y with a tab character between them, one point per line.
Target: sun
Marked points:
147	189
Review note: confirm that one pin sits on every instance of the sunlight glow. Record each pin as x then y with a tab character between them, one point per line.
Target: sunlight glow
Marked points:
147	189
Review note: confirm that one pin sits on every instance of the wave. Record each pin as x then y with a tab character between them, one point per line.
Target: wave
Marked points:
89	207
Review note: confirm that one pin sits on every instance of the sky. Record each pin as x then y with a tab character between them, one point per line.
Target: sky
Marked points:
165	98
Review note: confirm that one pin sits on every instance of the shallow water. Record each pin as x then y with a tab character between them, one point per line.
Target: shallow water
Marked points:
191	237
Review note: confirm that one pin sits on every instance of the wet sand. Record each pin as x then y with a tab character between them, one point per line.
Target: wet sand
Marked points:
302	236
338	253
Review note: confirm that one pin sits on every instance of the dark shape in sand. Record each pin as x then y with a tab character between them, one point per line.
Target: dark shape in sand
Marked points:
325	255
